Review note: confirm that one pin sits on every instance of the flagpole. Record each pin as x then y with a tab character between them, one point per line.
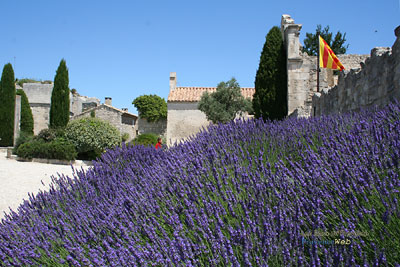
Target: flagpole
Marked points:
318	63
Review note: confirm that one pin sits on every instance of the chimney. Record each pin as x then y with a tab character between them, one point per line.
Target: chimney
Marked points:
124	109
172	81
108	101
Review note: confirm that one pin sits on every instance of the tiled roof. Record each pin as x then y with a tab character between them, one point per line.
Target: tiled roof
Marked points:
193	94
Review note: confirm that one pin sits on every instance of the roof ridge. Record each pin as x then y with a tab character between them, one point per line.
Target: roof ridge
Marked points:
194	93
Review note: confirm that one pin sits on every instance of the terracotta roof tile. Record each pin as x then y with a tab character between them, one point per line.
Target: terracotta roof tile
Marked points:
193	94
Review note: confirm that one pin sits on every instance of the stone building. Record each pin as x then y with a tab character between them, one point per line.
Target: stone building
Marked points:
39	97
124	121
184	118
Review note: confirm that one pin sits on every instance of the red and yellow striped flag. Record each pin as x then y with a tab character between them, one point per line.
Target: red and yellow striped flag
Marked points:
328	59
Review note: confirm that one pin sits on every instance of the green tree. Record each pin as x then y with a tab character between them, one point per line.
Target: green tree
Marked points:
223	104
151	107
337	44
7	107
26	125
59	108
270	98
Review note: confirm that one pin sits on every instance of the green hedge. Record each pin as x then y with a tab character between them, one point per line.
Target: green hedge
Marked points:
51	134
23	138
57	149
147	139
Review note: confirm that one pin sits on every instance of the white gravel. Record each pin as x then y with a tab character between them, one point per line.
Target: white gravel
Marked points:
17	179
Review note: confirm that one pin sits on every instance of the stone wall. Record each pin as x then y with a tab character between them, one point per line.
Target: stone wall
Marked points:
184	120
39	97
302	70
376	83
158	128
41	117
113	116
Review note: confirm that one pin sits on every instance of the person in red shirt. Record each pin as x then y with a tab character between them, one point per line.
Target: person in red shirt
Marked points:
159	143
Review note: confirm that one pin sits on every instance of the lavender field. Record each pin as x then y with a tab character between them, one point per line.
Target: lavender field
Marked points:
301	192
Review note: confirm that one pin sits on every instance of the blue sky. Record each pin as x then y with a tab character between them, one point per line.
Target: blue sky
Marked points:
124	49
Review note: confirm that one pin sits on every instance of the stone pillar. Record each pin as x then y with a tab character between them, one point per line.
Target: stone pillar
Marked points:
17	117
172	81
296	75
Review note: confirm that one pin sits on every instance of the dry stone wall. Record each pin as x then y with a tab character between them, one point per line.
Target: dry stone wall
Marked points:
376	83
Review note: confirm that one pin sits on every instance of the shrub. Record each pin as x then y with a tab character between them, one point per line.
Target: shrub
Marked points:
21	82
62	149
147	139
22	139
30	149
92	135
50	134
125	137
56	149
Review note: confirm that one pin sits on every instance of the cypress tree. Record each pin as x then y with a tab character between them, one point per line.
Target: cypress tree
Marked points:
26	125
270	98
7	106
59	108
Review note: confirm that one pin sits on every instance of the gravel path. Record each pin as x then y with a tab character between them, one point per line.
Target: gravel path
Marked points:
19	178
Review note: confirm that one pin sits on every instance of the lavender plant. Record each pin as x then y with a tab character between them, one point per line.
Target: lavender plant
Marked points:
248	193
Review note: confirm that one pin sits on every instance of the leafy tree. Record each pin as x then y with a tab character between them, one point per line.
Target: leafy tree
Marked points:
270	98
151	107
337	43
7	107
59	109
223	104
26	125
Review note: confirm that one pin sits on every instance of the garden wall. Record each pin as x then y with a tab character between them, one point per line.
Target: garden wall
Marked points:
158	128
